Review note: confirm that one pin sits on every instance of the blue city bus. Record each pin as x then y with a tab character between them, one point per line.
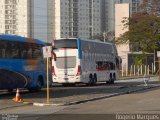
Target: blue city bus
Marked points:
21	63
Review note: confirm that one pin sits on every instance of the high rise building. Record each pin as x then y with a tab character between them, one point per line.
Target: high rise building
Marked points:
13	17
28	18
125	50
78	18
45	19
41	19
110	11
121	11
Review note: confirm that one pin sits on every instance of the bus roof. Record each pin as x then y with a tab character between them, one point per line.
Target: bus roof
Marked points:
9	37
97	41
89	40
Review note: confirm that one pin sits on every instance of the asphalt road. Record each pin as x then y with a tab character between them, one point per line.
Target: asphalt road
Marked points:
147	101
131	103
67	95
143	105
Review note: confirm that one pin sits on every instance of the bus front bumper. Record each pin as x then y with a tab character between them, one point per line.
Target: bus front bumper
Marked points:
74	79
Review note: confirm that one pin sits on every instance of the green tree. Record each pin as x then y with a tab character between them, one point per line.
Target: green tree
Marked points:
144	29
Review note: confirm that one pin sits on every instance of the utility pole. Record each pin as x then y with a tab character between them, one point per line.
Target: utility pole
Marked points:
154	64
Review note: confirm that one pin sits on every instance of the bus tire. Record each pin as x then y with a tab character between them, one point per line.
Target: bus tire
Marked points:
10	90
113	79
110	79
39	83
95	79
107	82
91	80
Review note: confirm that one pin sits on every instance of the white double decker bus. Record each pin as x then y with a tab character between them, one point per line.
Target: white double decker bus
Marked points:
84	61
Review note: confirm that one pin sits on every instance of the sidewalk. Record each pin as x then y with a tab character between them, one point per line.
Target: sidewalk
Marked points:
136	77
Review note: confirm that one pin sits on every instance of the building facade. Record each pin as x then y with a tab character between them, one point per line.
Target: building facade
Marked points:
121	11
48	19
13	18
28	18
78	18
110	11
126	51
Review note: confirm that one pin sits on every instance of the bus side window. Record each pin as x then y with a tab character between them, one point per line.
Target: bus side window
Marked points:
112	66
2	52
36	53
105	65
8	51
29	53
99	65
15	53
96	65
23	54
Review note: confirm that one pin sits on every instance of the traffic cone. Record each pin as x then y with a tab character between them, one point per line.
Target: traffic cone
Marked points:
17	98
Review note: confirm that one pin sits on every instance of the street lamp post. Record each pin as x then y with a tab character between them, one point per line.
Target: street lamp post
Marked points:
104	36
158	55
154	64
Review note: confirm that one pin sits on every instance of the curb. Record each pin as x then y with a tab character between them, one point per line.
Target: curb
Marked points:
86	100
46	104
109	96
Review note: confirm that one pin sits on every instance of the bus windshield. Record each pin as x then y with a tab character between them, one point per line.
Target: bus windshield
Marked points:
65	43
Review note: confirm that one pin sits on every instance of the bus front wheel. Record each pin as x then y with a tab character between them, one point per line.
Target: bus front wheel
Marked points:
39	83
91	81
10	90
110	79
113	79
95	79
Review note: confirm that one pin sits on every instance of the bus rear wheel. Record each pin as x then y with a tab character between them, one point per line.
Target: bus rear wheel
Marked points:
95	79
39	83
92	80
10	90
113	79
110	79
